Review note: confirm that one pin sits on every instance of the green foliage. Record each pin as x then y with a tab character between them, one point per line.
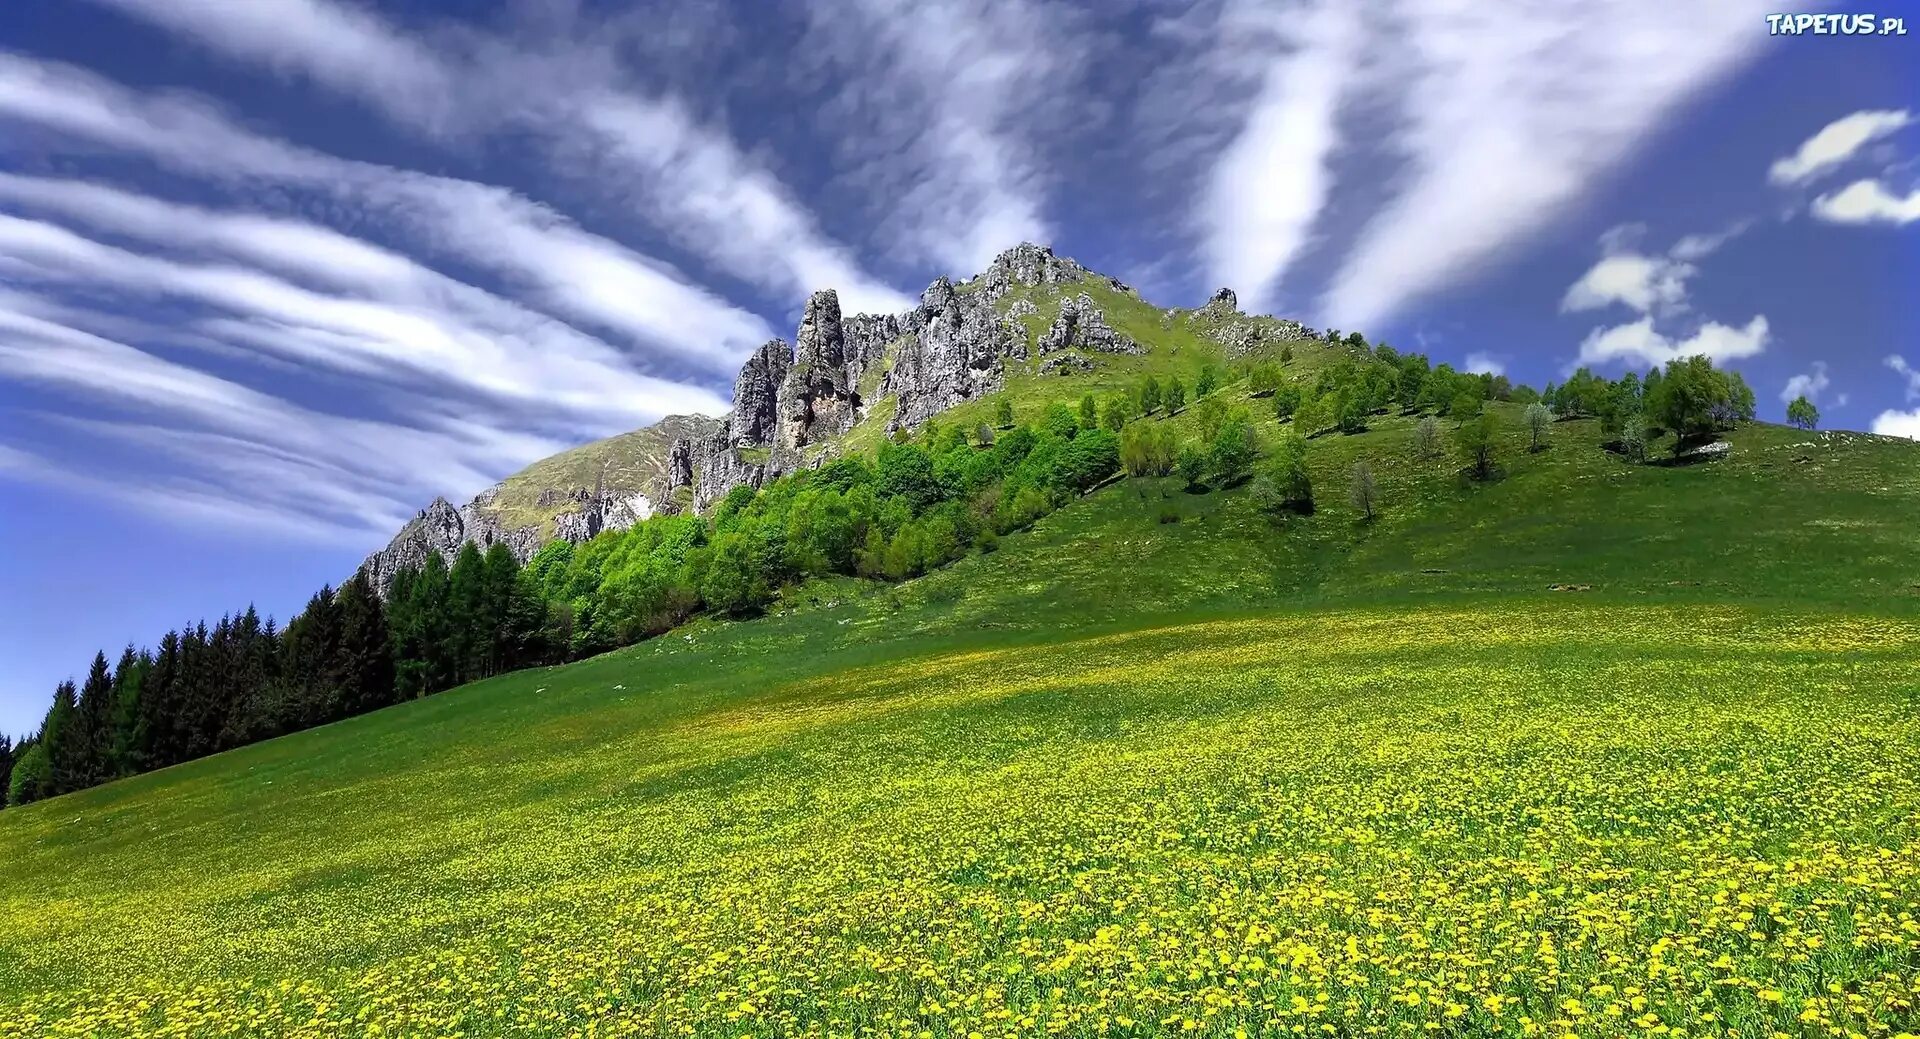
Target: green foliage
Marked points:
1286	401
1149	395
1290	485
1059	422
1191	465
1286	354
1466	405
1263	380
1115	413
1085	461
1232	449
32	777
1538	418
1696	400
1003	411
1633	438
1176	395
1802	414
1425	439
1089	412
1148	449
1474	439
1206	383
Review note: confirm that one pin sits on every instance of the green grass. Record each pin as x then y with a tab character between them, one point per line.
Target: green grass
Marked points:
1161	764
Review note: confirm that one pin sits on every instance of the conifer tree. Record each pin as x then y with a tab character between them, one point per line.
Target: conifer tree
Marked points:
59	733
92	729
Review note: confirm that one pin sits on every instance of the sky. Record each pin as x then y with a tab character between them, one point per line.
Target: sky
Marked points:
275	274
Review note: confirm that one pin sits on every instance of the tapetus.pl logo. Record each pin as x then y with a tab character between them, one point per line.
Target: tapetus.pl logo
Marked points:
1836	25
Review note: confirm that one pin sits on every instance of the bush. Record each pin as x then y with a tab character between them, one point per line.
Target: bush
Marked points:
1191	465
1233	450
1088	459
1290	488
1286	401
1538	417
1363	492
1426	437
1474	438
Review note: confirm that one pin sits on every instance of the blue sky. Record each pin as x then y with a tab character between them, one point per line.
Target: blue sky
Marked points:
273	274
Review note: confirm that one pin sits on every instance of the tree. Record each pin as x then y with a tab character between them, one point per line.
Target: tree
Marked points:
1003	411
1206	383
1263	380
1633	438
906	471
124	756
6	767
1176	396
1350	411
1362	492
1059	421
1286	401
1474	438
1695	400
65	746
1802	413
1089	412
1233	450
1286	354
1426	437
1465	405
32	777
1088	459
1149	396
1114	414
1292	483
1538	417
1147	450
93	726
1191	464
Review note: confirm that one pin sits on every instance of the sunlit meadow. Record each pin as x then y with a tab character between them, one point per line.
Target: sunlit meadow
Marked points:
1517	818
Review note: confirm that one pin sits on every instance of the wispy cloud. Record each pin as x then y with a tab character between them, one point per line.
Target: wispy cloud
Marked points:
941	99
1836	143
1810	384
583	276
696	185
1868	202
1270	183
1510	112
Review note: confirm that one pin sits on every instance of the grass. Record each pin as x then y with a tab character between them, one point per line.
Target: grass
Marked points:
1595	817
1160	765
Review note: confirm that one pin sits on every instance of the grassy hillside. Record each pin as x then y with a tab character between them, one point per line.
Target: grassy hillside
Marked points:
1160	765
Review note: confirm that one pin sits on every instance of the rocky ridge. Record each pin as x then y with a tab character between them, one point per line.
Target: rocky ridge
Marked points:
791	403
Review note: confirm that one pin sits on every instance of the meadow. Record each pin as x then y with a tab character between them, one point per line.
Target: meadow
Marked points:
1493	815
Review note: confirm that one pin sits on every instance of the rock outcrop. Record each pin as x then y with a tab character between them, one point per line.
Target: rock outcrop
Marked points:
756	393
791	402
1081	324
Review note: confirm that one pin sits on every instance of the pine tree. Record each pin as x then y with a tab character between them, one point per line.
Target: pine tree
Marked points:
93	725
6	767
65	756
365	649
124	757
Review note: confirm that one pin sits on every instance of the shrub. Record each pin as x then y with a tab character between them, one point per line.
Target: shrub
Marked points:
1426	437
1538	417
1191	464
1363	493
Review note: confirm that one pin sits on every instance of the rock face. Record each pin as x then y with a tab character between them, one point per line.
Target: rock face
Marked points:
756	393
1081	324
444	529
791	402
954	355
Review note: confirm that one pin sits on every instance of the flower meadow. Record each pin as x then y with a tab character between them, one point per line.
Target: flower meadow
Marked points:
1514	818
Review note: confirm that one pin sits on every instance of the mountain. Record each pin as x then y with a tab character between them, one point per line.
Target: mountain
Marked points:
1028	319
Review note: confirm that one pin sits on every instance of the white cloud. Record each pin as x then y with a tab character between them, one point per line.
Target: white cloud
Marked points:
1512	112
1644	283
1810	384
462	338
937	114
1270	183
1638	342
699	186
1482	363
337	45
1837	142
691	182
577	274
1892	423
1906	371
1868	202
1696	247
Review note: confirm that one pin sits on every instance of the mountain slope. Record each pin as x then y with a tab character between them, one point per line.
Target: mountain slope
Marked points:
1033	326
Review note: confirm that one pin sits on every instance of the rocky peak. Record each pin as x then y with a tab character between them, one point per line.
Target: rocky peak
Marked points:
821	341
1081	324
1030	264
1223	303
756	393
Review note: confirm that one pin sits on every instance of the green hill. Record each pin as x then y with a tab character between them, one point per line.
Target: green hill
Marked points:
1161	764
1590	748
